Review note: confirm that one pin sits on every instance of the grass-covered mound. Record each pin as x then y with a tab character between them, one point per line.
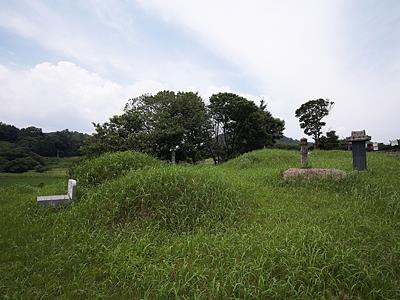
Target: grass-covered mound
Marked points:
302	240
175	198
94	171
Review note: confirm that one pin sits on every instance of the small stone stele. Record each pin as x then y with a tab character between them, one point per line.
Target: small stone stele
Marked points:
358	140
304	153
294	173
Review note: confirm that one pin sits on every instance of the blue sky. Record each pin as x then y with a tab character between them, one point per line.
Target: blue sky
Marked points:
65	64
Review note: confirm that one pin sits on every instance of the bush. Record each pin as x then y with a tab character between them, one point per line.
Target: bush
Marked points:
20	165
177	199
94	171
16	159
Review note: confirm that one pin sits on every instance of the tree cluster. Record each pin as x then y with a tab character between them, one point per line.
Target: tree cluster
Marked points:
330	141
181	122
22	149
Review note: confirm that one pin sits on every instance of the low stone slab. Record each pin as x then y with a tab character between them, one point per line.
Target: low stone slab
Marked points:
313	173
56	200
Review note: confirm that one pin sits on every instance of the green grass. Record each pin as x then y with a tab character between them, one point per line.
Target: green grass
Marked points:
57	169
209	232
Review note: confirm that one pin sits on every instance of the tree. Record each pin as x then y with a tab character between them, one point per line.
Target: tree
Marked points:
330	141
240	126
8	133
310	115
156	124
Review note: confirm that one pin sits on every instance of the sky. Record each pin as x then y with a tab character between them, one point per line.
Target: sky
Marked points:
66	64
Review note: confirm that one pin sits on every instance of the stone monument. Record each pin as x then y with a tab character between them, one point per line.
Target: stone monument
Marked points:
357	140
56	200
304	153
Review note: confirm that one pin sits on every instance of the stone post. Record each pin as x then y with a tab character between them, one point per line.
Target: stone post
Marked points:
304	152
358	139
173	157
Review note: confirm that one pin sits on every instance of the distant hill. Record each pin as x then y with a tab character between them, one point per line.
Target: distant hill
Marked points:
23	149
287	141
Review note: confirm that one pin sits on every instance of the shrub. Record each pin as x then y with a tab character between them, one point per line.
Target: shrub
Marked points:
15	159
94	171
177	199
20	165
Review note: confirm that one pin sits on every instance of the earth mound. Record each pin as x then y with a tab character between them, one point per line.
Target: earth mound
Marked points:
174	198
94	171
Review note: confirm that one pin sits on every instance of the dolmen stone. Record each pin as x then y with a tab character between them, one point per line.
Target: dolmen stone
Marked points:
56	200
294	173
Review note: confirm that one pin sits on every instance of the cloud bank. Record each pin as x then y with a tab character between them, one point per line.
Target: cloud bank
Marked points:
92	56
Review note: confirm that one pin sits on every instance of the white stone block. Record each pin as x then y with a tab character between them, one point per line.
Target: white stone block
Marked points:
56	200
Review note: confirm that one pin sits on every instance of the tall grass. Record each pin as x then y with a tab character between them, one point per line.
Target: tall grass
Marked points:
178	199
232	231
97	170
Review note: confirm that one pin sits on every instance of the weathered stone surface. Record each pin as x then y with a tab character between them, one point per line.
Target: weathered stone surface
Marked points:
304	152
313	173
358	136
358	139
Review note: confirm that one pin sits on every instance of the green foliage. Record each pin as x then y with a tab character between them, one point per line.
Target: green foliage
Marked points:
330	141
94	171
156	124
18	159
310	115
60	143
8	133
240	126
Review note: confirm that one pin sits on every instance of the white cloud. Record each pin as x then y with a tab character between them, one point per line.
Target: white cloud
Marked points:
294	50
299	50
63	95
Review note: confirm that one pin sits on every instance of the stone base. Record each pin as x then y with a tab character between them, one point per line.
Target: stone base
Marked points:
313	173
54	200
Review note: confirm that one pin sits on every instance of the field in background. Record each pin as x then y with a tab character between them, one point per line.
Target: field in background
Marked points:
57	170
319	239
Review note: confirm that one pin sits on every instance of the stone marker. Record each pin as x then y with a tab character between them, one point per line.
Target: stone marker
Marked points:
56	200
173	154
358	139
304	152
173	161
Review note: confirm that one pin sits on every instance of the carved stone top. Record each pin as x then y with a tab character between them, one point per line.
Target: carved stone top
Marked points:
358	136
303	141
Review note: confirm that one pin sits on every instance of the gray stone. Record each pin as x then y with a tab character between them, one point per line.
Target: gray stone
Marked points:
304	153
358	136
56	200
357	140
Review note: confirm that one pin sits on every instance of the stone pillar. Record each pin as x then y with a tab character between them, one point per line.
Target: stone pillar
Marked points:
304	152
173	157
358	139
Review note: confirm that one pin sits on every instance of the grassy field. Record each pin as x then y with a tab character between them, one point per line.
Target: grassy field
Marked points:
237	230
